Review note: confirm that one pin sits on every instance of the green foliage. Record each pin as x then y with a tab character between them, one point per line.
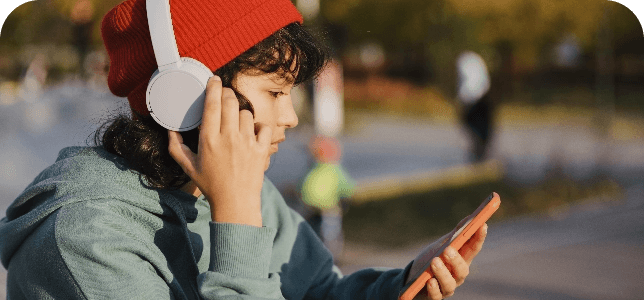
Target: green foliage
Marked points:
35	22
513	36
44	26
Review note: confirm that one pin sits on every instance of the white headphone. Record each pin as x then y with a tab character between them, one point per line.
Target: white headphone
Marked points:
177	90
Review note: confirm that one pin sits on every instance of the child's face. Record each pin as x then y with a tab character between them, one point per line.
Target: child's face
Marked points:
270	95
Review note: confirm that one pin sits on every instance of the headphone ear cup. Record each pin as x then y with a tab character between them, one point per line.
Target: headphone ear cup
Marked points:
175	97
197	67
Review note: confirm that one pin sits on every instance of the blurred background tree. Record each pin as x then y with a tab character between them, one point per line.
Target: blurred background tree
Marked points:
518	38
416	41
50	27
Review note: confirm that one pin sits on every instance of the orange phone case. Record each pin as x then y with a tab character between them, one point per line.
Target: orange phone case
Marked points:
480	216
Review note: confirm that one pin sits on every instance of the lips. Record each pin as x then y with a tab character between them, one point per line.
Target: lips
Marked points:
275	144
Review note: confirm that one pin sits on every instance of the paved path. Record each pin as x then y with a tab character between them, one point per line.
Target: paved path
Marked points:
589	251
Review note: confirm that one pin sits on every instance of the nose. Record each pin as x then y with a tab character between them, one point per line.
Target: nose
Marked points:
287	116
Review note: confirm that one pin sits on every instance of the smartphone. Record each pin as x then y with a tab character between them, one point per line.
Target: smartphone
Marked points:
461	235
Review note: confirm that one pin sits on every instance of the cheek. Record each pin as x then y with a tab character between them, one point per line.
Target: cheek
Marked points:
265	113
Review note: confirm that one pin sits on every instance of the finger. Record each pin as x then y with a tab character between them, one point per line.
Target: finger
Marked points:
472	247
229	111
211	118
246	125
444	277
433	290
456	264
264	134
180	152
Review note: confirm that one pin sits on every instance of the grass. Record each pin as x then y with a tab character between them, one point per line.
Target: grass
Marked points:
403	220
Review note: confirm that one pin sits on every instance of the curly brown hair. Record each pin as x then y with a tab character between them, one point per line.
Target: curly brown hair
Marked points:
144	143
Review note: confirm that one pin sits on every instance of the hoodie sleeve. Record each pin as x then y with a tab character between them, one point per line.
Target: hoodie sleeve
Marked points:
306	266
240	257
310	259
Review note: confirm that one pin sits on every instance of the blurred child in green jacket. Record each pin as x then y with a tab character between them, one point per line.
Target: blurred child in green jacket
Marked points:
324	186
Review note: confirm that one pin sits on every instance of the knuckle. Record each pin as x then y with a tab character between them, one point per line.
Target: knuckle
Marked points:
228	93
437	296
448	287
478	247
245	114
230	100
461	278
433	289
465	273
229	138
208	144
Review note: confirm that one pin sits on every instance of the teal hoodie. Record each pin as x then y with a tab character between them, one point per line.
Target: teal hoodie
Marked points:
87	227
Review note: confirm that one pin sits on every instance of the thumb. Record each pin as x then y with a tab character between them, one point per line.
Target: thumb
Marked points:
181	153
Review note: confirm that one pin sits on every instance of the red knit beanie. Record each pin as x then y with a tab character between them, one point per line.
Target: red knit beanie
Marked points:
211	31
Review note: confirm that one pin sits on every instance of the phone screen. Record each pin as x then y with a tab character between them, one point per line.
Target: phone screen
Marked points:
465	231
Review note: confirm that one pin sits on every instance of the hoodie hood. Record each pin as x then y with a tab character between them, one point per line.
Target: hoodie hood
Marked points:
85	174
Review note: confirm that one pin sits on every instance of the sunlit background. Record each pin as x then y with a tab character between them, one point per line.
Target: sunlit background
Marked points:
566	82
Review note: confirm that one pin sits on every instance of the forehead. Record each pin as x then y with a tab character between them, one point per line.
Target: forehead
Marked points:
258	77
280	77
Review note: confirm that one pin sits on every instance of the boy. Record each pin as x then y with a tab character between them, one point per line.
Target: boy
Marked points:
156	214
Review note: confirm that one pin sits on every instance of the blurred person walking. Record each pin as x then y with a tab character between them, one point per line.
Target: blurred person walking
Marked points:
476	106
323	189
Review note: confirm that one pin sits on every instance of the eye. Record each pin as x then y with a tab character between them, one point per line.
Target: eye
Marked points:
276	94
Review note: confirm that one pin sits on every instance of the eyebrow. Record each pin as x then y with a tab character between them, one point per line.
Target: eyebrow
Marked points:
287	78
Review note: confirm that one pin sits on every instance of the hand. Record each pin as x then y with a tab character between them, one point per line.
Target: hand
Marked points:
449	269
229	166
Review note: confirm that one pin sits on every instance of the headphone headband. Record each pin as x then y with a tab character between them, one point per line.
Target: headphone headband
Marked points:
164	42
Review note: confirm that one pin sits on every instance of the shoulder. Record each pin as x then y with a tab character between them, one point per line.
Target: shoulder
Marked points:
84	246
107	244
92	224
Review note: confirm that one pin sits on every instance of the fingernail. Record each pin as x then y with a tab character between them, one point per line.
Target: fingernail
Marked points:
434	283
485	228
216	78
437	263
451	253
